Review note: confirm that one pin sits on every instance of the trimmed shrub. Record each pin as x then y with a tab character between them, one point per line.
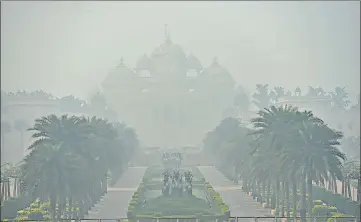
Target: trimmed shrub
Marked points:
317	202
323	211
343	204
338	217
10	207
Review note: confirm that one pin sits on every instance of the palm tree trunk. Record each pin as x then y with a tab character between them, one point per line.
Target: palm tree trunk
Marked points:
303	197
283	199
53	207
268	193
60	209
70	208
273	197
343	187
259	192
2	146
253	187
287	190
309	191
277	195
2	191
22	142
5	190
14	188
358	190
8	189
349	189
335	185
263	191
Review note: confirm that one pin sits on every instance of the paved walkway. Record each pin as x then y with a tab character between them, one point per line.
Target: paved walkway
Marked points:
240	204
115	203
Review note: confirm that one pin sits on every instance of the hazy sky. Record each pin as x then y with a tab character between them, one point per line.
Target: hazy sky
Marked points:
69	47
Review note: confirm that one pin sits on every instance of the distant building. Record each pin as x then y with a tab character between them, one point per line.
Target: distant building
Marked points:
169	98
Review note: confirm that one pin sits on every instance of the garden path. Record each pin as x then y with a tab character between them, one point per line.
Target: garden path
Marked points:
240	204
115	203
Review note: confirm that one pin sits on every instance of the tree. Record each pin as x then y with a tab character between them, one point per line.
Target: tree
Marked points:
241	100
71	104
298	91
5	128
262	98
339	98
279	92
70	160
21	125
290	150
311	92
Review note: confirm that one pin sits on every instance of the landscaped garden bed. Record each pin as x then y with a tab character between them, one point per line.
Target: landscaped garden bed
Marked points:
180	194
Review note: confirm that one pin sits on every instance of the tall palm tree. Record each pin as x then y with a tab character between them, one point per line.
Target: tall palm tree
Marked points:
5	128
340	98
262	98
278	92
291	133
241	101
21	125
70	159
319	154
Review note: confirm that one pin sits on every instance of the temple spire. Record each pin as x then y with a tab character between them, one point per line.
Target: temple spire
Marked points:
166	33
121	62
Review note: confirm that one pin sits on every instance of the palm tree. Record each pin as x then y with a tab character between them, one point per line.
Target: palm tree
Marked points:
319	154
21	125
339	98
291	133
5	128
311	92
71	104
55	130
262	98
241	101
298	91
70	159
279	92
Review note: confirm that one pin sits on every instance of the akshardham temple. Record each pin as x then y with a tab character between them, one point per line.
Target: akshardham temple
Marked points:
169	97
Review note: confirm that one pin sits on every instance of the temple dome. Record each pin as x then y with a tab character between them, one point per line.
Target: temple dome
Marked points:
168	48
215	69
144	63
193	63
217	73
118	74
122	69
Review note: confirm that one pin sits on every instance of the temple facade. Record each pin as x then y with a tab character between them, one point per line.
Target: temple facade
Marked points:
169	97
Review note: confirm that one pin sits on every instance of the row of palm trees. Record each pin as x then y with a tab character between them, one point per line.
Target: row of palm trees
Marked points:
70	160
265	97
285	149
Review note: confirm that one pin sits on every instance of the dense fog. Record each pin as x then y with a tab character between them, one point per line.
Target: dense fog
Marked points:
241	99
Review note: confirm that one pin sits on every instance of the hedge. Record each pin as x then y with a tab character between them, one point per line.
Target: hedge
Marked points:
151	172
343	204
10	207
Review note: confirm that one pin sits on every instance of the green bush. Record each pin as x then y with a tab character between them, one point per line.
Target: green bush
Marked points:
323	211
10	207
343	204
338	217
317	202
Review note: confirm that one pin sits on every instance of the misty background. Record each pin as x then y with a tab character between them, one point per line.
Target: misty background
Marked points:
69	47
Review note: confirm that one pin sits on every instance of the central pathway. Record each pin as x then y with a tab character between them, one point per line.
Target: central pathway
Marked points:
115	203
240	204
